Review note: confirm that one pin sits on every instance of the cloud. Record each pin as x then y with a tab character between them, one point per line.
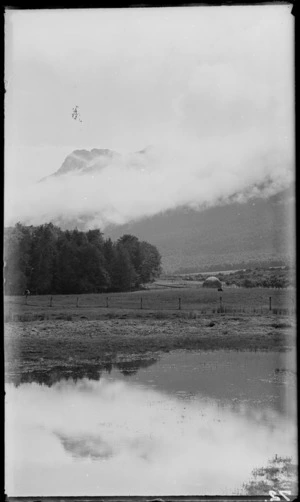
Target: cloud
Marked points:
114	438
210	88
136	186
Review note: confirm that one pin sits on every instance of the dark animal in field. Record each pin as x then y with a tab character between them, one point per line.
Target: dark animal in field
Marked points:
220	289
26	292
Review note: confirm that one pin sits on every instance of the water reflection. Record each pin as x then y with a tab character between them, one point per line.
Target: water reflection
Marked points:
130	368
86	445
84	369
114	437
232	378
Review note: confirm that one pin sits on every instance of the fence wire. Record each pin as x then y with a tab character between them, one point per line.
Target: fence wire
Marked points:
142	303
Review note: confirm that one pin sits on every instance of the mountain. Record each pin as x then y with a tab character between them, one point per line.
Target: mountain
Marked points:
87	162
254	232
258	230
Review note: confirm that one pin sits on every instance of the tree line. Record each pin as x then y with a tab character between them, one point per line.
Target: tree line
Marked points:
264	278
48	260
271	277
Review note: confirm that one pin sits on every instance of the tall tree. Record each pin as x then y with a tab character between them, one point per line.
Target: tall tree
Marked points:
109	253
151	263
16	259
123	276
95	237
66	270
93	276
42	258
132	245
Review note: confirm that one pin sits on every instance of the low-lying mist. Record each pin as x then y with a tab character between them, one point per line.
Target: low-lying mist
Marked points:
139	185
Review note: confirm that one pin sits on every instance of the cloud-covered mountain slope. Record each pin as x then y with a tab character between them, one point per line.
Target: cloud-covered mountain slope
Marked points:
260	230
195	215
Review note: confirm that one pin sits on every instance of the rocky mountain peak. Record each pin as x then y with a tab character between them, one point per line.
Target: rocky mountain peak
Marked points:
84	161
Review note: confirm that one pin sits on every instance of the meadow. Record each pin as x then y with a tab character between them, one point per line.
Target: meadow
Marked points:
44	343
160	301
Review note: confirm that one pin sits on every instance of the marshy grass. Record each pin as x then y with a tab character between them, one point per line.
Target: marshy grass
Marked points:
31	317
87	341
278	325
279	474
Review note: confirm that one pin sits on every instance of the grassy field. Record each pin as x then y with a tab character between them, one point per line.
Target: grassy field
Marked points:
45	344
192	299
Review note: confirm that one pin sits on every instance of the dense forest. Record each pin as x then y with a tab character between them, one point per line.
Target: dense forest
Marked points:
48	260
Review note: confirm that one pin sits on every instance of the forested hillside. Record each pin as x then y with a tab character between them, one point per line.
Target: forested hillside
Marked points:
259	231
48	260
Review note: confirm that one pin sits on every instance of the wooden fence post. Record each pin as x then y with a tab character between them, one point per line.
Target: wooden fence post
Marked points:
50	301
270	302
141	303
107	302
179	303
77	302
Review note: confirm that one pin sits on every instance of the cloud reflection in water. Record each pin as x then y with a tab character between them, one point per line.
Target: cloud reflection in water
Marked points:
113	437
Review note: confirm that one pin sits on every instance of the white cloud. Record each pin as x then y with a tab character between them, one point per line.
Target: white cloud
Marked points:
130	188
211	88
114	438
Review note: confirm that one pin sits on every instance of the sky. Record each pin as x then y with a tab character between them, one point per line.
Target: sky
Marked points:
210	89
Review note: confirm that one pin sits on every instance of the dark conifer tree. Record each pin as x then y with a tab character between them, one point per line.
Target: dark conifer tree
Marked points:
47	260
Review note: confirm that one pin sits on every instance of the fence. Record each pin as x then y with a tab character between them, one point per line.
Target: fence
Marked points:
150	304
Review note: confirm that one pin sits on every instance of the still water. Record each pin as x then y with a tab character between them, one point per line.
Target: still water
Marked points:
189	423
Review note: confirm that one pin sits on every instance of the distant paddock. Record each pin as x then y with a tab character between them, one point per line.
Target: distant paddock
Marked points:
162	301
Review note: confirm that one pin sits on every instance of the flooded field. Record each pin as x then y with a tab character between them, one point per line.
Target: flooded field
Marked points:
186	423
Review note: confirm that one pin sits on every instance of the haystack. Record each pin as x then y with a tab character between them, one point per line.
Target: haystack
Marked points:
212	282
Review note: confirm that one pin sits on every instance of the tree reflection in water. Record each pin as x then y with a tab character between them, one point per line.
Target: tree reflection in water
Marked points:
77	372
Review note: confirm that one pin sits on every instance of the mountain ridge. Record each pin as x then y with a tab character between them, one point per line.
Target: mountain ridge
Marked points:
244	228
95	160
253	231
